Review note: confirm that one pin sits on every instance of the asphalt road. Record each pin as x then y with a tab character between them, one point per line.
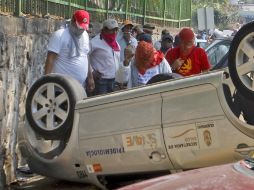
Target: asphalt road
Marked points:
37	182
43	183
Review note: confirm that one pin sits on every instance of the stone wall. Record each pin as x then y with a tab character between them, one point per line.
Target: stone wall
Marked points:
2	176
23	44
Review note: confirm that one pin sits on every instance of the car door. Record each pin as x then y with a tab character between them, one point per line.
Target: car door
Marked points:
191	117
121	133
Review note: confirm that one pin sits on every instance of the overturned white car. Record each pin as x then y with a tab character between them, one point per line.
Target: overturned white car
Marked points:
170	126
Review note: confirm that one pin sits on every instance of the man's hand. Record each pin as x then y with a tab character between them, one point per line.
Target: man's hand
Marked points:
90	84
96	75
177	64
128	55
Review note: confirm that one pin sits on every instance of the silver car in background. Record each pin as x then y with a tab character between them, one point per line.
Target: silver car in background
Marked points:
217	52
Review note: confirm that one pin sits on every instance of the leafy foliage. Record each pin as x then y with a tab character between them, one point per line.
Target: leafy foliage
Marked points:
224	13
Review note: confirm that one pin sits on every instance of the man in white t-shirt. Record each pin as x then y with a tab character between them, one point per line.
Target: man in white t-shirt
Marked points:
68	49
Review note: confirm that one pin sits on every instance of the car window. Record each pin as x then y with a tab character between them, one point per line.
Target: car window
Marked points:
201	43
217	52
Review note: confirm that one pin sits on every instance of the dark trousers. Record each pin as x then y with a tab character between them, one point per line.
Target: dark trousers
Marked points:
103	86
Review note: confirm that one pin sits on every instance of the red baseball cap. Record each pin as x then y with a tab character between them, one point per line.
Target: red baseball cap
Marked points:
186	34
82	19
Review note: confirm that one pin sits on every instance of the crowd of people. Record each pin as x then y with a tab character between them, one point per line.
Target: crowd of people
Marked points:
121	56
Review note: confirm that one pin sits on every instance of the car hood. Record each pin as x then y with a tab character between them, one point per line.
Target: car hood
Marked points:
227	177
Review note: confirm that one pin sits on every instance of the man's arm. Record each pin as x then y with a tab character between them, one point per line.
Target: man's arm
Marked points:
90	79
51	57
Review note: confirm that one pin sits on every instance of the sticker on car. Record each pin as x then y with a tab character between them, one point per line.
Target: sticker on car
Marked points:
104	152
207	133
142	140
194	136
93	168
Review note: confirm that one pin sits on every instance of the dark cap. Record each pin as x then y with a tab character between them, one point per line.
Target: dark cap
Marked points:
144	37
167	37
149	26
165	31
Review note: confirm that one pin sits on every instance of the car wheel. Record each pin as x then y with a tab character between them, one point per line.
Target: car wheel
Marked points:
50	105
241	60
163	77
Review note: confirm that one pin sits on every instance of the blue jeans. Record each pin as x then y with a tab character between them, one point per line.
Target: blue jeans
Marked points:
103	86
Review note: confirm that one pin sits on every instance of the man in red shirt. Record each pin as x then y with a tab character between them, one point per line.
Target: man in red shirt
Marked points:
187	59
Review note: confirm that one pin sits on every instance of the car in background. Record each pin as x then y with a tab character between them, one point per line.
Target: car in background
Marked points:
217	52
201	43
238	176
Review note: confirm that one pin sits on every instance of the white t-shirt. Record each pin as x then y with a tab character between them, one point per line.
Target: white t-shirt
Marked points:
77	66
143	79
136	79
103	58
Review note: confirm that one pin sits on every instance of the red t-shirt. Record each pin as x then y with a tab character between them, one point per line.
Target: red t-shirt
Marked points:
194	63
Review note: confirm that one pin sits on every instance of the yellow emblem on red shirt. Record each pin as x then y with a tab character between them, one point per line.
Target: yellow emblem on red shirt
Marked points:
186	67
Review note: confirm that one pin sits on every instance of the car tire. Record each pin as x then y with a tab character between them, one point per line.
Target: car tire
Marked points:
49	114
163	77
240	69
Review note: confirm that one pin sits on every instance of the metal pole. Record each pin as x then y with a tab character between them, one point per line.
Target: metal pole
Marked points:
190	12
17	8
47	7
180	12
107	7
144	12
164	10
126	8
69	9
206	28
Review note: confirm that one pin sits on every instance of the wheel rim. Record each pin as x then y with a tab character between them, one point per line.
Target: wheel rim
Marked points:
245	61
50	106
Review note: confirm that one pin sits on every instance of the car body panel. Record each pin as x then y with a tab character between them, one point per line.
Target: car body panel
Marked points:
126	153
229	176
